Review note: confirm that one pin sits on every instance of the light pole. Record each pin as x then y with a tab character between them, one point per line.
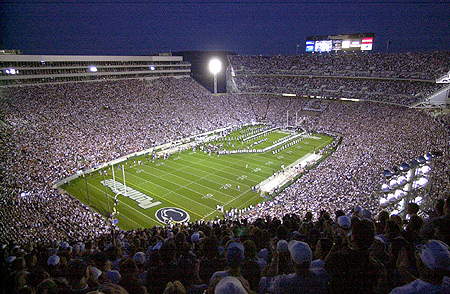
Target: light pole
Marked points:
403	182
214	67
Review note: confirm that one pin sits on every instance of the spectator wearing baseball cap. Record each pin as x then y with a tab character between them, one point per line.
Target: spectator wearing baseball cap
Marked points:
234	257
229	285
433	262
303	280
141	260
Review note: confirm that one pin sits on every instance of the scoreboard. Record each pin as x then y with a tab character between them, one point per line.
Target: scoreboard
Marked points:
350	42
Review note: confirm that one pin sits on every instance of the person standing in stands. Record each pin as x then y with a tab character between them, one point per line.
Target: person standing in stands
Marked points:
353	271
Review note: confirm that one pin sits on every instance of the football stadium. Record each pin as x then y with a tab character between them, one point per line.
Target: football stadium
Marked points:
328	169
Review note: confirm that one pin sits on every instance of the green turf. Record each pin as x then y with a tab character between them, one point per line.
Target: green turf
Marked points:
192	180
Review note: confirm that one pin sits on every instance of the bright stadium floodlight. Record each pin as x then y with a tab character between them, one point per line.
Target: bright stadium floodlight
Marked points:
92	68
214	67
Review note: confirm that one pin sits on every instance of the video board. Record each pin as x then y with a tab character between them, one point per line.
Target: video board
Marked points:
350	42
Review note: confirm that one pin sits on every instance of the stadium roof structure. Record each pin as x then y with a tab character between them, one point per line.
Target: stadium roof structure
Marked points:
439	99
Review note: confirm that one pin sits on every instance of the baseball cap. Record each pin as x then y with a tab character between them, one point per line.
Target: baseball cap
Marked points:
113	276
344	222
282	245
195	237
235	253
300	251
365	214
53	260
435	255
139	257
229	285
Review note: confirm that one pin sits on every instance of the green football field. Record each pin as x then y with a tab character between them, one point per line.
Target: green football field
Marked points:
190	182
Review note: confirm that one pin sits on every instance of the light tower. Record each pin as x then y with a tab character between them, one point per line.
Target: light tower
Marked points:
214	67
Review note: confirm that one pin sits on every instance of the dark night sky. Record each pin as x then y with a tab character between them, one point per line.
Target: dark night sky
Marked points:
137	27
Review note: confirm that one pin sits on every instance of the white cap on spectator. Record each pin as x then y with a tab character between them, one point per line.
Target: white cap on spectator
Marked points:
435	255
195	237
282	245
139	257
344	222
229	285
53	260
365	214
300	252
113	276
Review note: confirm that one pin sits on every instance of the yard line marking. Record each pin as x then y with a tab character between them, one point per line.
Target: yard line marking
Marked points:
191	181
170	191
180	186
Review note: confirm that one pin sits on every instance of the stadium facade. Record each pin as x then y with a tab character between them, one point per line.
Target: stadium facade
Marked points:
16	69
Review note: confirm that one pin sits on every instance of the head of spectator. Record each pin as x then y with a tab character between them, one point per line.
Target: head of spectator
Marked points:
37	275
174	288
413	208
344	222
434	261
363	234
47	286
400	246
442	231
235	254
210	246
301	255
323	248
110	288
229	285
365	214
168	251
249	249
77	275
392	229
127	267
140	259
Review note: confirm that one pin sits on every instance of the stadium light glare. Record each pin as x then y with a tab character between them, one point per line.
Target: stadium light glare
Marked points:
214	67
92	68
11	71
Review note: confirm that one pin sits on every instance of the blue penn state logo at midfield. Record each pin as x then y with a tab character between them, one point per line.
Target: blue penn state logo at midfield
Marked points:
175	214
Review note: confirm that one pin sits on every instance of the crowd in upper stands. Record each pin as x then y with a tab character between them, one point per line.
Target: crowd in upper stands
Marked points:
400	92
422	66
397	78
50	131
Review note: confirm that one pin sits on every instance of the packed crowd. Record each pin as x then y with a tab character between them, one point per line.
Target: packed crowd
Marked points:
50	131
353	174
423	66
337	251
403	92
397	78
53	131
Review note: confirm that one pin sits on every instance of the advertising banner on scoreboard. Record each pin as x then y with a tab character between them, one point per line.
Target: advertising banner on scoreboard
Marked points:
349	42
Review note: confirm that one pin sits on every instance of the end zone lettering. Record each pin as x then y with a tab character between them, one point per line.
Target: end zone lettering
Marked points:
144	201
